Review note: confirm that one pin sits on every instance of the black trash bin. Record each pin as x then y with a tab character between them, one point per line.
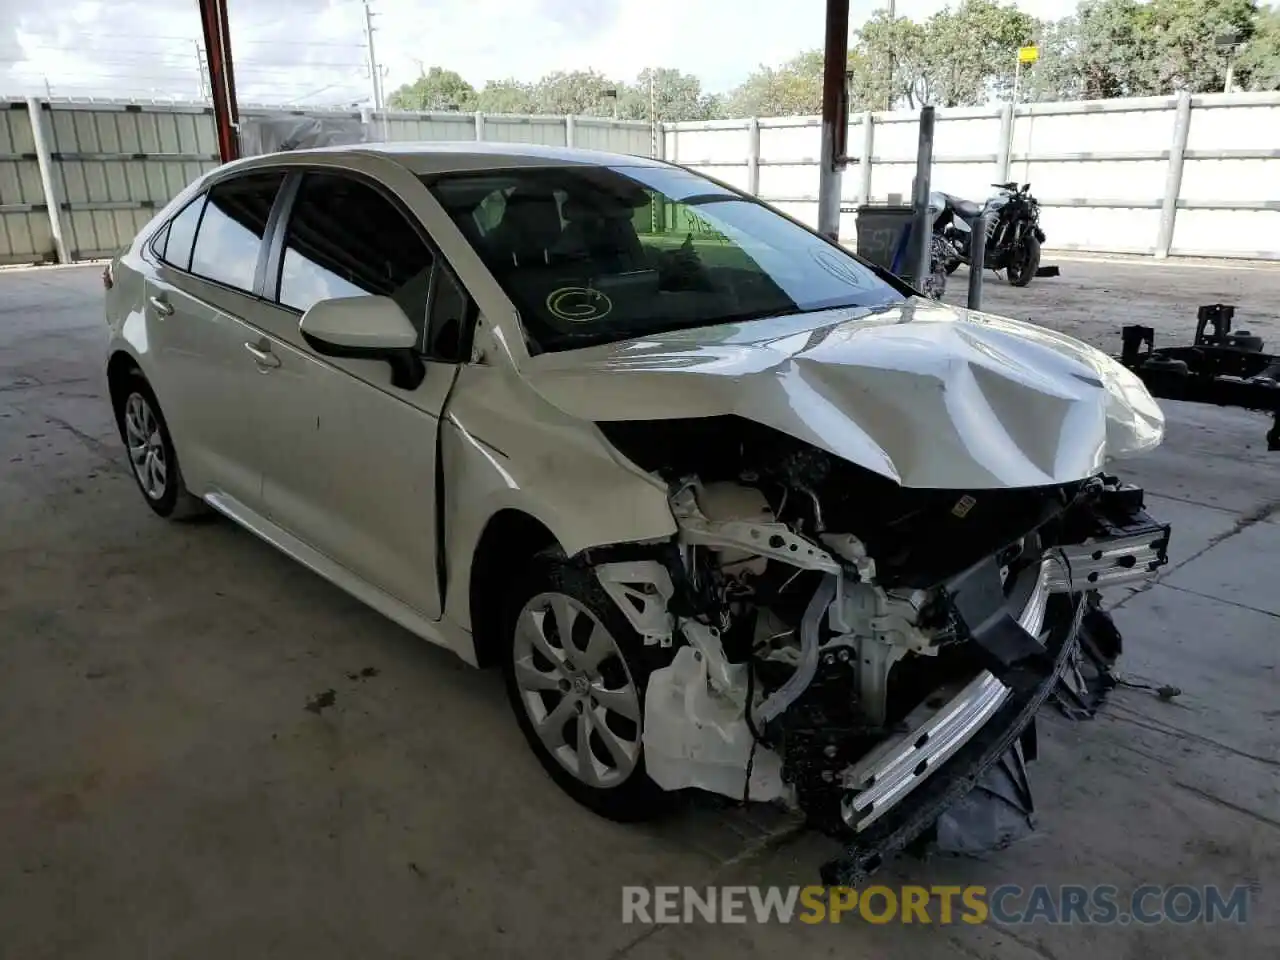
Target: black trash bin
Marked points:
884	237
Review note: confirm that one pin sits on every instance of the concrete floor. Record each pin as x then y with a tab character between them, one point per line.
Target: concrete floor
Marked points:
165	793
1094	297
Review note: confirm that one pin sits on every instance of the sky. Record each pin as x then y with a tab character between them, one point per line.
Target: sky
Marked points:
313	51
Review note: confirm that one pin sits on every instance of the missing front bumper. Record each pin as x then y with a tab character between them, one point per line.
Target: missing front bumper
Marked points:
883	778
899	827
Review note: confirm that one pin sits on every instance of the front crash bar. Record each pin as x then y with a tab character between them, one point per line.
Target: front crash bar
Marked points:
886	775
959	775
1114	561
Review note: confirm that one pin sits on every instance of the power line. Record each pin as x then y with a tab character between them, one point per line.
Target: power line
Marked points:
182	61
145	38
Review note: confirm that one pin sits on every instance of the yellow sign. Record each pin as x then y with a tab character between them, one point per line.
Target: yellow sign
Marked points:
1028	54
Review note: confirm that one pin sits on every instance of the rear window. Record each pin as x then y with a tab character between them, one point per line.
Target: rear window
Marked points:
231	230
598	254
174	243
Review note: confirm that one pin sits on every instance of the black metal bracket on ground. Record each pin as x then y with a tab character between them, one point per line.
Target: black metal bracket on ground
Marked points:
1222	367
1087	678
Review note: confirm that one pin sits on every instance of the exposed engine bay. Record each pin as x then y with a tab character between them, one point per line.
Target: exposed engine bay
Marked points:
837	638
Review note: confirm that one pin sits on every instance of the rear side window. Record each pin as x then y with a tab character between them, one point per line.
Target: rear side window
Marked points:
346	239
174	245
230	236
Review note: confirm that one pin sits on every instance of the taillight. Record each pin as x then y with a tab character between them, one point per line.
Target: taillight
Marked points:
108	277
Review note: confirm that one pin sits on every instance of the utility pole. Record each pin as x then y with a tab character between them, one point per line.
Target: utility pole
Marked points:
653	151
201	72
653	118
1228	43
888	97
375	75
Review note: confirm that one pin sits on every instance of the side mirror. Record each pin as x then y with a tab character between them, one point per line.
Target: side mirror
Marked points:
366	328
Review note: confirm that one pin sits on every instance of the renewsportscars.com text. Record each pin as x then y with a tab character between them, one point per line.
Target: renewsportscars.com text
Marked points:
1006	904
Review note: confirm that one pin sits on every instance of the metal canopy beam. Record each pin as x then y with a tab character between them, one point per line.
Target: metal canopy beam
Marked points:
222	84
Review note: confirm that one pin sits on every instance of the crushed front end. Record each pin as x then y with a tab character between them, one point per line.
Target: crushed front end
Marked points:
863	651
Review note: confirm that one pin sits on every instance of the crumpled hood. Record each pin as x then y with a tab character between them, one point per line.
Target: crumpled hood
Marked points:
925	394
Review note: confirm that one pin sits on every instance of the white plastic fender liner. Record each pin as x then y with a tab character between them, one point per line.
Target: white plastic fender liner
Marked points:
696	738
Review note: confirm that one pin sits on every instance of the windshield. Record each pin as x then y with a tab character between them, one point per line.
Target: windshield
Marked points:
593	254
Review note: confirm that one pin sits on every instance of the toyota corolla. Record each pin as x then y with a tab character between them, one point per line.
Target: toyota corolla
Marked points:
731	509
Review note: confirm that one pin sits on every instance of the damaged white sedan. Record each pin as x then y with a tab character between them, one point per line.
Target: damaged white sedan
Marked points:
733	510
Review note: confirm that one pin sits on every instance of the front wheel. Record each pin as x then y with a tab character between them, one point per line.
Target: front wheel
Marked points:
575	673
1025	262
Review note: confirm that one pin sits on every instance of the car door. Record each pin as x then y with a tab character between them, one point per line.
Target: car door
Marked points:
349	460
207	265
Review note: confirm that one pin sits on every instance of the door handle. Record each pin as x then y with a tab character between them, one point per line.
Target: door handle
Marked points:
161	306
264	358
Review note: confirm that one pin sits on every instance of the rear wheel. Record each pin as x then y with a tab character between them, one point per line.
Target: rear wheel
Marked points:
575	674
152	458
1025	262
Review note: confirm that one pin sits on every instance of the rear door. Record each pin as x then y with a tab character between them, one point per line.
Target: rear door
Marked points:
208	380
349	459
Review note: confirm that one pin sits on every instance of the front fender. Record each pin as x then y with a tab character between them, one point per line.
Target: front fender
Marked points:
504	448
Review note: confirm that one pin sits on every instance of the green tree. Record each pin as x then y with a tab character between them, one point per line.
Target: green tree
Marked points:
505	96
1056	75
971	52
794	89
889	64
677	96
1260	58
1127	48
435	89
957	57
1185	53
580	92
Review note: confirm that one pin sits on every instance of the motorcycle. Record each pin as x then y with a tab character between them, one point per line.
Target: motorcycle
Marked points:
1013	231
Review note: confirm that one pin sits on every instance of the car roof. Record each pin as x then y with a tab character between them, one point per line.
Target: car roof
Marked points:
445	156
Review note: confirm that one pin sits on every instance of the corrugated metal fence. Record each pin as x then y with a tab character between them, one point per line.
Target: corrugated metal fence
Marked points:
1196	176
1189	176
111	165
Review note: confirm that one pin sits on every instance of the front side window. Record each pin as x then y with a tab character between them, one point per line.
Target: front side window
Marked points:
600	254
450	319
347	239
230	235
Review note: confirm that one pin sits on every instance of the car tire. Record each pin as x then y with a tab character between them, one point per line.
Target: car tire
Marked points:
557	692
153	462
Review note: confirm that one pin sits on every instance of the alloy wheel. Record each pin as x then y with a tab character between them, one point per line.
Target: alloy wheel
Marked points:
146	446
577	690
